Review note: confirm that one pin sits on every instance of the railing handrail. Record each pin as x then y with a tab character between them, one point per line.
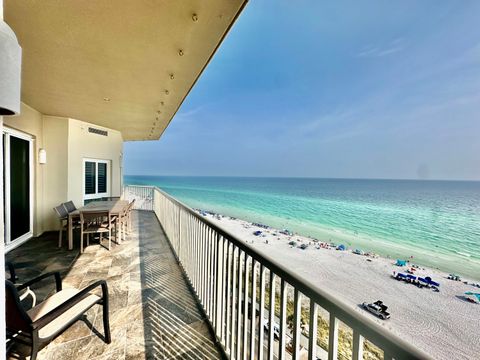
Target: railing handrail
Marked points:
142	186
374	332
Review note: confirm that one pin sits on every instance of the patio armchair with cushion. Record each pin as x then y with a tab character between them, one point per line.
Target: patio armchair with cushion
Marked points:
25	291
41	324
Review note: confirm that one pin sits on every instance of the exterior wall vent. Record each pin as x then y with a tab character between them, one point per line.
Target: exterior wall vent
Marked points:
97	131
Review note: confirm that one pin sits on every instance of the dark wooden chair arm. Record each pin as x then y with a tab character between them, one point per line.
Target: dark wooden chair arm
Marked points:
56	274
11	270
59	310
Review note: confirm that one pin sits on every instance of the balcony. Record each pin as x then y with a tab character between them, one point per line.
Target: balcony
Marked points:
152	311
181	288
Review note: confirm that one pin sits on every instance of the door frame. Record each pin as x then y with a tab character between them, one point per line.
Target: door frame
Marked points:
8	132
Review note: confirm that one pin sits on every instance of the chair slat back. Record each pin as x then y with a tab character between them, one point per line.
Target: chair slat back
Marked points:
130	206
61	211
70	206
16	318
93	215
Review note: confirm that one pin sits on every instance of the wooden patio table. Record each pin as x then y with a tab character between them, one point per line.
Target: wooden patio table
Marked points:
115	208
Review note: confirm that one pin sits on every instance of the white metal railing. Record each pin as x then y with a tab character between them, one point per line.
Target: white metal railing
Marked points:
221	270
143	196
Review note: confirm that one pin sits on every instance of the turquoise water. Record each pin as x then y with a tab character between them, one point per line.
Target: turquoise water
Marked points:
436	222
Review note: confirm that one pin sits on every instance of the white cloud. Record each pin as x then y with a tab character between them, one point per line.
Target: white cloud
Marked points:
393	47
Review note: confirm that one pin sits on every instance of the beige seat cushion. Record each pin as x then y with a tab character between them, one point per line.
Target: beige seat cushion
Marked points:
55	300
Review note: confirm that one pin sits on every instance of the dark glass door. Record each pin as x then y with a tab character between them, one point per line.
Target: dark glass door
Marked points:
19	187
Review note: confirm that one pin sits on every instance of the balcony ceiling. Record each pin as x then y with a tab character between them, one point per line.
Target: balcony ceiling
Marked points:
126	65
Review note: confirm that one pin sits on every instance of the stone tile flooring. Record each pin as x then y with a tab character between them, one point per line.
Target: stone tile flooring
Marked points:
153	315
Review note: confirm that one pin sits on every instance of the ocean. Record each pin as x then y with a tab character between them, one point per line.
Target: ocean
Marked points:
437	223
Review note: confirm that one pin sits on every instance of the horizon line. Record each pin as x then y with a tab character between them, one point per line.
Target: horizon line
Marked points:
303	177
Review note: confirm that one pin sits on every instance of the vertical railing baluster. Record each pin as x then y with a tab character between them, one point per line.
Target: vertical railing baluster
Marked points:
333	338
271	316
188	244
261	316
297	308
312	331
191	253
205	267
213	304
239	303
211	280
218	285
253	309
199	259
283	320
199	256
194	255
234	298
208	283
357	345
245	306
202	263
228	333
179	247
223	300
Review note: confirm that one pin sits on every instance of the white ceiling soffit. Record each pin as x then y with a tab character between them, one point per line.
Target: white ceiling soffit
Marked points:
126	65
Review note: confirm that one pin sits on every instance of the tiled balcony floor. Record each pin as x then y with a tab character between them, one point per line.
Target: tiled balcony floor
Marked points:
153	315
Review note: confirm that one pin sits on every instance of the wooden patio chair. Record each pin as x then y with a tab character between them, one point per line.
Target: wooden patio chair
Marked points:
62	215
69	206
125	220
96	222
44	322
129	214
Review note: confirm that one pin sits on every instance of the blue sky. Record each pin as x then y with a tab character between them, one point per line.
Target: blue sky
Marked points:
355	89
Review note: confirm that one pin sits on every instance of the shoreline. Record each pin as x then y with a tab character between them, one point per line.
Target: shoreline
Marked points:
452	262
441	323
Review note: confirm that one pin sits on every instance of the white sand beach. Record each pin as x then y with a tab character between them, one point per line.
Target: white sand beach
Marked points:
441	323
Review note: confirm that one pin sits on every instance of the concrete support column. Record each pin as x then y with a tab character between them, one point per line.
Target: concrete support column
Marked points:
2	242
10	60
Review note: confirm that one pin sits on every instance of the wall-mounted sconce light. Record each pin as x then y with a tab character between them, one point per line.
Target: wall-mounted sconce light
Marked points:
42	156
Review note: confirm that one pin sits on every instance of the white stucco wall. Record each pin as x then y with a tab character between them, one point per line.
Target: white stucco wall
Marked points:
83	144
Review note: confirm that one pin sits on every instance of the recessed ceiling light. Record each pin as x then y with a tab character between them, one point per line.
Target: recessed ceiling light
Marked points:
106	99
180	52
172	76
194	17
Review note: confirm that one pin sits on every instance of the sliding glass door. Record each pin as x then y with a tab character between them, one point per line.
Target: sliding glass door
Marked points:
18	187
